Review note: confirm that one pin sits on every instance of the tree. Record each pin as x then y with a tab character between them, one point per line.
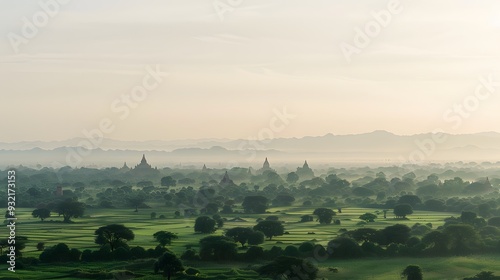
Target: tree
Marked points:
168	181
56	253
255	238
239	234
211	208
115	235
413	200
402	210
325	215
462	238
292	178
363	234
283	200
217	248
164	237
204	224
42	213
255	204
270	228
395	234
412	272
343	248
153	215
289	268
436	241
136	201
169	264
495	221
468	217
362	191
70	209
368	217
484	275
484	210
306	218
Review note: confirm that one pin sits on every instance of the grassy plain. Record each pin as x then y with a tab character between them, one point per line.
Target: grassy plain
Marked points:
79	234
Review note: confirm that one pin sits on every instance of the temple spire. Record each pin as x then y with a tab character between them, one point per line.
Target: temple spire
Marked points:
266	164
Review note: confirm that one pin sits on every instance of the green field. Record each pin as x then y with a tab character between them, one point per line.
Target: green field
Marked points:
79	234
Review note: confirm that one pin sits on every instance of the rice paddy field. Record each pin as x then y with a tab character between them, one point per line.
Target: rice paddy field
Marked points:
80	235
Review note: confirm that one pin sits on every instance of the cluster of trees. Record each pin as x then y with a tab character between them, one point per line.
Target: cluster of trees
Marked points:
68	208
113	240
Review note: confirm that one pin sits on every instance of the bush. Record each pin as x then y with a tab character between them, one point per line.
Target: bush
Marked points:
291	251
254	253
192	271
40	246
57	253
306	247
121	254
190	255
138	252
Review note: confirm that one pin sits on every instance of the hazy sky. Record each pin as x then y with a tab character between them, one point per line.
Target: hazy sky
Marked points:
228	74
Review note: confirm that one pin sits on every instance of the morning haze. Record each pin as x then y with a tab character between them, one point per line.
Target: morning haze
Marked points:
250	139
226	76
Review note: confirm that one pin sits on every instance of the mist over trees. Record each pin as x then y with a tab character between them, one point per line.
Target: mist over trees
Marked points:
243	215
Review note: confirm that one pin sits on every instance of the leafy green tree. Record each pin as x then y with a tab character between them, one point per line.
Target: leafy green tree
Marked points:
344	248
136	201
283	200
368	217
115	235
289	268
168	181
411	199
204	224
484	210
70	209
398	234
412	272
57	253
256	204
239	234
436	241
292	178
462	238
42	213
468	217
164	237
484	275
270	228
256	238
169	264
325	215
217	248
363	234
402	210
495	221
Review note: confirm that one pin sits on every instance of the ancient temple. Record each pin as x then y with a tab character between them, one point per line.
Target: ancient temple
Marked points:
266	167
226	181
144	164
305	172
144	169
125	167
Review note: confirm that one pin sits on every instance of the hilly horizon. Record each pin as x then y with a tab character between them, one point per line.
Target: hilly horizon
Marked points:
381	147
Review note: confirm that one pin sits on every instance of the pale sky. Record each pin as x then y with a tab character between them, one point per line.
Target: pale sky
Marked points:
228	74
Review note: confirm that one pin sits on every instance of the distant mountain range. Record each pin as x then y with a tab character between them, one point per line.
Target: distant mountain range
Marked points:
377	146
